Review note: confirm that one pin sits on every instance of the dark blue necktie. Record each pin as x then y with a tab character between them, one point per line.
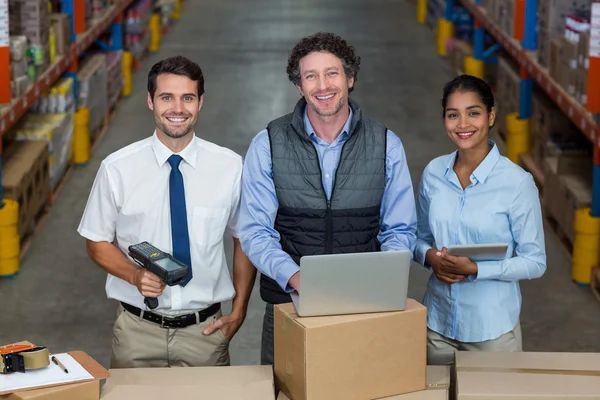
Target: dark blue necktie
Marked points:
179	226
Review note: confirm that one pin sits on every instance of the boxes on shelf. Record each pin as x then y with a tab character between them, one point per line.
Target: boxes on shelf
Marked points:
374	355
62	33
99	8
26	179
508	90
92	90
552	19
136	28
460	50
114	77
51	119
567	187
506	16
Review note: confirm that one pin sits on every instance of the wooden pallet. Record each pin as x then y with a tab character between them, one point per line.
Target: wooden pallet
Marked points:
595	285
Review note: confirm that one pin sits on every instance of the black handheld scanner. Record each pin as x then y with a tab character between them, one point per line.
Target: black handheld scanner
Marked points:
165	266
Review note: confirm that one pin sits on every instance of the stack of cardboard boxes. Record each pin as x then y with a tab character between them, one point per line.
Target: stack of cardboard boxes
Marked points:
92	90
552	21
569	61
31	18
507	91
19	77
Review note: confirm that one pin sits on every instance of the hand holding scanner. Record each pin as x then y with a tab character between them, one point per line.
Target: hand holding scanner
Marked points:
165	266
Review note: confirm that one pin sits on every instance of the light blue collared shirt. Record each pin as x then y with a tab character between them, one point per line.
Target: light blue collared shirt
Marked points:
501	205
260	241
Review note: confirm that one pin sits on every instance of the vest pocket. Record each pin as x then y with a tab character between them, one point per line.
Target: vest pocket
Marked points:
208	225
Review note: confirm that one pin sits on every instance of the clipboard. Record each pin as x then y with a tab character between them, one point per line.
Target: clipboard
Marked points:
97	371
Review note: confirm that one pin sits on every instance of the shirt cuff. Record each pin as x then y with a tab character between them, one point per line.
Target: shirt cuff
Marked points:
286	271
420	252
487	270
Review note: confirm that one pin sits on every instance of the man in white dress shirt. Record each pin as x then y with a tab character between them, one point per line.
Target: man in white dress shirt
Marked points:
181	194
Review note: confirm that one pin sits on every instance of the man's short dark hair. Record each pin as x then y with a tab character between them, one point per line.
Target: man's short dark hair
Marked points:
323	41
177	65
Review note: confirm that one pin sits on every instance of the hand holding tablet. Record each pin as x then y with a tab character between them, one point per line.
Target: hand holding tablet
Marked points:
480	252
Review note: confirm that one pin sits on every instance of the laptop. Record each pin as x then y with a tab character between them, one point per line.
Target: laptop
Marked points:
354	283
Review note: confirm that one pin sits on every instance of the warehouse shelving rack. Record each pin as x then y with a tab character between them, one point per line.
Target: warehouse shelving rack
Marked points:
521	48
81	40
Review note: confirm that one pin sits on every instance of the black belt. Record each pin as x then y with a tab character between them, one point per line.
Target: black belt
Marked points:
179	321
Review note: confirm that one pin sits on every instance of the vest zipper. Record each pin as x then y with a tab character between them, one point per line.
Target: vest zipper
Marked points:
329	229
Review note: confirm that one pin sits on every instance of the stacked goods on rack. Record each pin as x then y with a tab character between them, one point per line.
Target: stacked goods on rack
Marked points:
51	120
98	8
552	21
61	33
19	66
31	19
92	91
569	57
26	179
137	32
114	77
436	9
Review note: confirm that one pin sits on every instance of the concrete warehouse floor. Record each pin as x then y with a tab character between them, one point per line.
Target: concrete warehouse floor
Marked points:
58	298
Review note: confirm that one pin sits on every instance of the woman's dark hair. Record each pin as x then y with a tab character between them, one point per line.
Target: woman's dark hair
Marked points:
328	42
177	65
468	83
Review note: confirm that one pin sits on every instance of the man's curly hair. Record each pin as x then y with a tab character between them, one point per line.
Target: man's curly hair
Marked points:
323	41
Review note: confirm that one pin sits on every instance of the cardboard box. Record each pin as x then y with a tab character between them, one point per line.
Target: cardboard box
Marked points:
226	383
578	190
460	50
583	59
76	391
62	35
555	193
527	375
438	387
554	67
508	91
362	356
26	179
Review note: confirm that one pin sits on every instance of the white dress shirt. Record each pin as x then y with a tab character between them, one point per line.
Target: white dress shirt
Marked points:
129	204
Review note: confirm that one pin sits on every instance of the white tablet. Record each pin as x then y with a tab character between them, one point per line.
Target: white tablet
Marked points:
480	252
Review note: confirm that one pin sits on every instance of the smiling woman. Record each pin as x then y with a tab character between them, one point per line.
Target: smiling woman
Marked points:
475	196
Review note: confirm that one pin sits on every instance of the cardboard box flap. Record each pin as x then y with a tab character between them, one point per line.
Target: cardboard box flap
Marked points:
223	390
532	362
321	321
91	365
489	385
160	383
564	376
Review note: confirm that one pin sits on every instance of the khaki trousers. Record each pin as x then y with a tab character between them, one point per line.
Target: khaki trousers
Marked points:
138	343
440	349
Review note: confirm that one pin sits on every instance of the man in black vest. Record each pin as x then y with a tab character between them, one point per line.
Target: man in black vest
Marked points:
323	179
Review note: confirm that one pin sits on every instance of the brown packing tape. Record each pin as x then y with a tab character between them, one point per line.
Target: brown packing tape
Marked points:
538	371
438	386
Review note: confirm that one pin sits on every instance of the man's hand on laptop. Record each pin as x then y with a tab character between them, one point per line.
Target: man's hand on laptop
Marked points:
295	281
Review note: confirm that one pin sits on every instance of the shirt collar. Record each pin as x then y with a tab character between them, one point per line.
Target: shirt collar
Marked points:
311	131
485	168
162	152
